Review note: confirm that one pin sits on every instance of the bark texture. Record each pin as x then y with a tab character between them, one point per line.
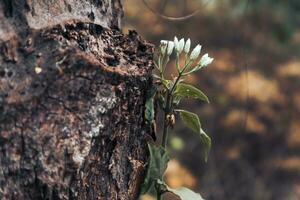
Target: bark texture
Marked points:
72	95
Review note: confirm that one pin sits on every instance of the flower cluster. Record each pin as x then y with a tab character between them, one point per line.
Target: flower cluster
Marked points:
182	46
166	95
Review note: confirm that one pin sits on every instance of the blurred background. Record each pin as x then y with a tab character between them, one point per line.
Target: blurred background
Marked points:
254	89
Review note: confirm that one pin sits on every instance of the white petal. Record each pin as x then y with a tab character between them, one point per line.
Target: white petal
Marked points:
170	47
163	46
196	52
163	42
180	45
205	60
187	46
176	43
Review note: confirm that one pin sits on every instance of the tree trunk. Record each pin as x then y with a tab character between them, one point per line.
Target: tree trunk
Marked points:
72	95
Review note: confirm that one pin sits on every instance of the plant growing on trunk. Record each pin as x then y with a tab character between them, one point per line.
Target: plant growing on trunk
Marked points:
167	94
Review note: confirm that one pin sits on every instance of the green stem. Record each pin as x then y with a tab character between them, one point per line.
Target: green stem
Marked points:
159	196
179	76
168	107
177	61
165	64
165	124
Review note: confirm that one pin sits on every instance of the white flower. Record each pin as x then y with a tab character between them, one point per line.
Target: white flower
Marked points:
163	42
205	60
180	45
176	43
170	47
187	46
163	46
195	53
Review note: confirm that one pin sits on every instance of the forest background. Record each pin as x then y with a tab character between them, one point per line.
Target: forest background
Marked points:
253	86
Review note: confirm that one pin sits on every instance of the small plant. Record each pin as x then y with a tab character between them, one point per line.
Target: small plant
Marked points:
167	95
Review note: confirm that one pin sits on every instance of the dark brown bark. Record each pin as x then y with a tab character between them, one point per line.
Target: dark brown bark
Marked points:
72	95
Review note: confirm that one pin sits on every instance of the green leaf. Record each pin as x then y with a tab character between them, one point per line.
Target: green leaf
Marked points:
185	193
149	110
166	83
160	100
157	166
191	120
186	90
176	100
206	141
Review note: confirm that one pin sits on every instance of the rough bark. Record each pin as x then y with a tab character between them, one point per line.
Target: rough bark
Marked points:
72	95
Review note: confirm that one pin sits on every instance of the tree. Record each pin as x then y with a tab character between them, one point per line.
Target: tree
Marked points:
72	96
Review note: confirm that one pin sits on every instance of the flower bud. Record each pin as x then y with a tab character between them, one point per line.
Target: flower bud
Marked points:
170	47
205	60
187	46
196	52
163	42
176	43
163	46
180	45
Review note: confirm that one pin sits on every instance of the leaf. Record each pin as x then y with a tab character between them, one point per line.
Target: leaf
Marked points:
166	83
149	106
157	166
191	120
186	90
149	112
160	100
176	100
206	141
185	193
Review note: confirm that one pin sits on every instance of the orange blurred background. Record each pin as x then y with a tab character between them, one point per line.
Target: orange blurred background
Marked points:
253	85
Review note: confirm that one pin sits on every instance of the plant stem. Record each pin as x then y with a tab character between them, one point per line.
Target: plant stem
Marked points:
179	76
159	196
168	106
166	125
